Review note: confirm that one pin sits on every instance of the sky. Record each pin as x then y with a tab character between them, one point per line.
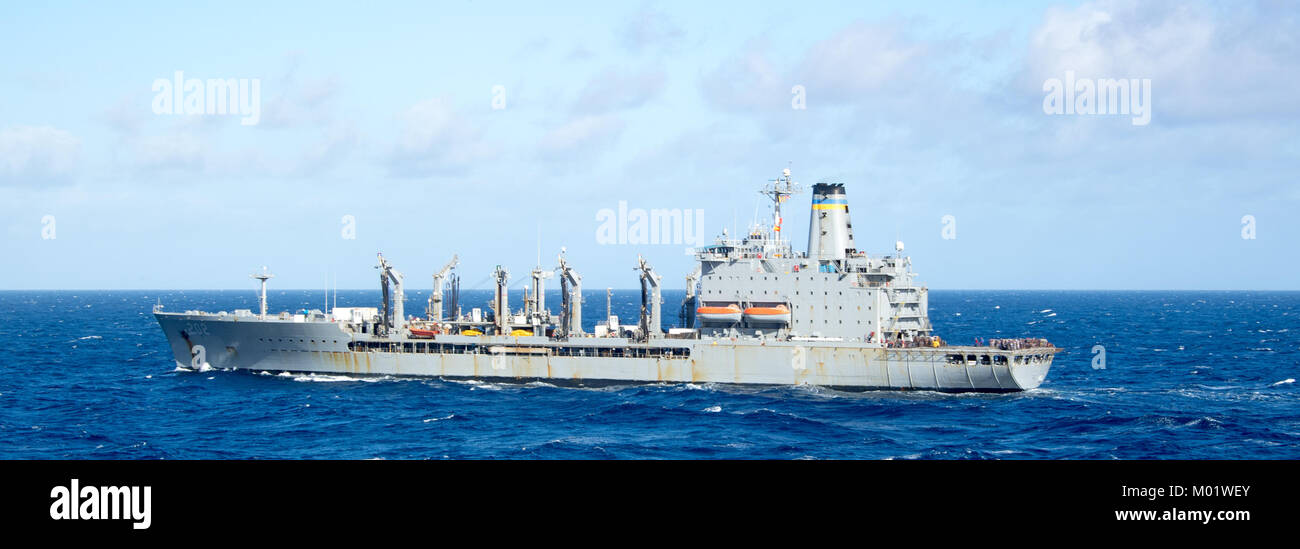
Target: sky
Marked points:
500	132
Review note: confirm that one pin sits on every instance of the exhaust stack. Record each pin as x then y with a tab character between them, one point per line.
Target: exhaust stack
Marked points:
830	234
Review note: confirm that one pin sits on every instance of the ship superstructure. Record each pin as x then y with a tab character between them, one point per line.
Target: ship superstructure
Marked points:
756	312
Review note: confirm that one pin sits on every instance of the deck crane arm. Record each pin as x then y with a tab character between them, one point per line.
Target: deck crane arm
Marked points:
571	294
651	299
434	311
395	305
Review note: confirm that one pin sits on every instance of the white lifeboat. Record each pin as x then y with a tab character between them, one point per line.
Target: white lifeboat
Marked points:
779	314
728	313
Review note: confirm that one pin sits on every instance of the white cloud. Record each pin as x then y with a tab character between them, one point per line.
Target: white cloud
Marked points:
858	60
747	81
37	154
614	90
296	104
1203	63
651	29
581	134
182	150
435	138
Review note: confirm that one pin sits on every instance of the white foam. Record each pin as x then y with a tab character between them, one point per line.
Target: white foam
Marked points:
1045	311
712	409
433	419
1284	382
326	378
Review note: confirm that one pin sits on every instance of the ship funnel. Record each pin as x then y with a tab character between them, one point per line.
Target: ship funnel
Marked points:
830	234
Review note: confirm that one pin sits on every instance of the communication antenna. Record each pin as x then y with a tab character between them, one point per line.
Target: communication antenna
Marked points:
779	190
261	297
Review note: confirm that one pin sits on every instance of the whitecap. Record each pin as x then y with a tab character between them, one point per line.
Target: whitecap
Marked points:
712	409
433	419
1045	311
324	378
1284	382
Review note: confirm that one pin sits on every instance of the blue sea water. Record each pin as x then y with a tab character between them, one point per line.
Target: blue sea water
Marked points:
87	374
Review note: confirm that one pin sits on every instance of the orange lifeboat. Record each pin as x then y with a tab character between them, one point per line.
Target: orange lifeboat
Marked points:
728	313
779	314
416	332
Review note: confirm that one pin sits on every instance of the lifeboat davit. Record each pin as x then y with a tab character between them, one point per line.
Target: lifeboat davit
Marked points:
779	314
729	313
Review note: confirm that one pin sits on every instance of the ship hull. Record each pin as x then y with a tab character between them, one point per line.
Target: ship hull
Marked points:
324	347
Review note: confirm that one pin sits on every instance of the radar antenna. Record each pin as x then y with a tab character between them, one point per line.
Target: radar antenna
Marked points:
779	190
261	297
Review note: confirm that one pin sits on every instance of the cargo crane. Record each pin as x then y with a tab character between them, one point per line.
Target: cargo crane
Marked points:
571	294
686	316
393	319
650	299
501	302
434	311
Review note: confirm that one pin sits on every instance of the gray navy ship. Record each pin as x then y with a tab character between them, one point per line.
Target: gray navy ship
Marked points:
756	312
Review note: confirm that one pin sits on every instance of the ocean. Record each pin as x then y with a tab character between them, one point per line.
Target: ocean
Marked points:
1198	375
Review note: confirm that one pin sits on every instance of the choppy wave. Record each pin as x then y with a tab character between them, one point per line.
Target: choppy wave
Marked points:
1187	376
